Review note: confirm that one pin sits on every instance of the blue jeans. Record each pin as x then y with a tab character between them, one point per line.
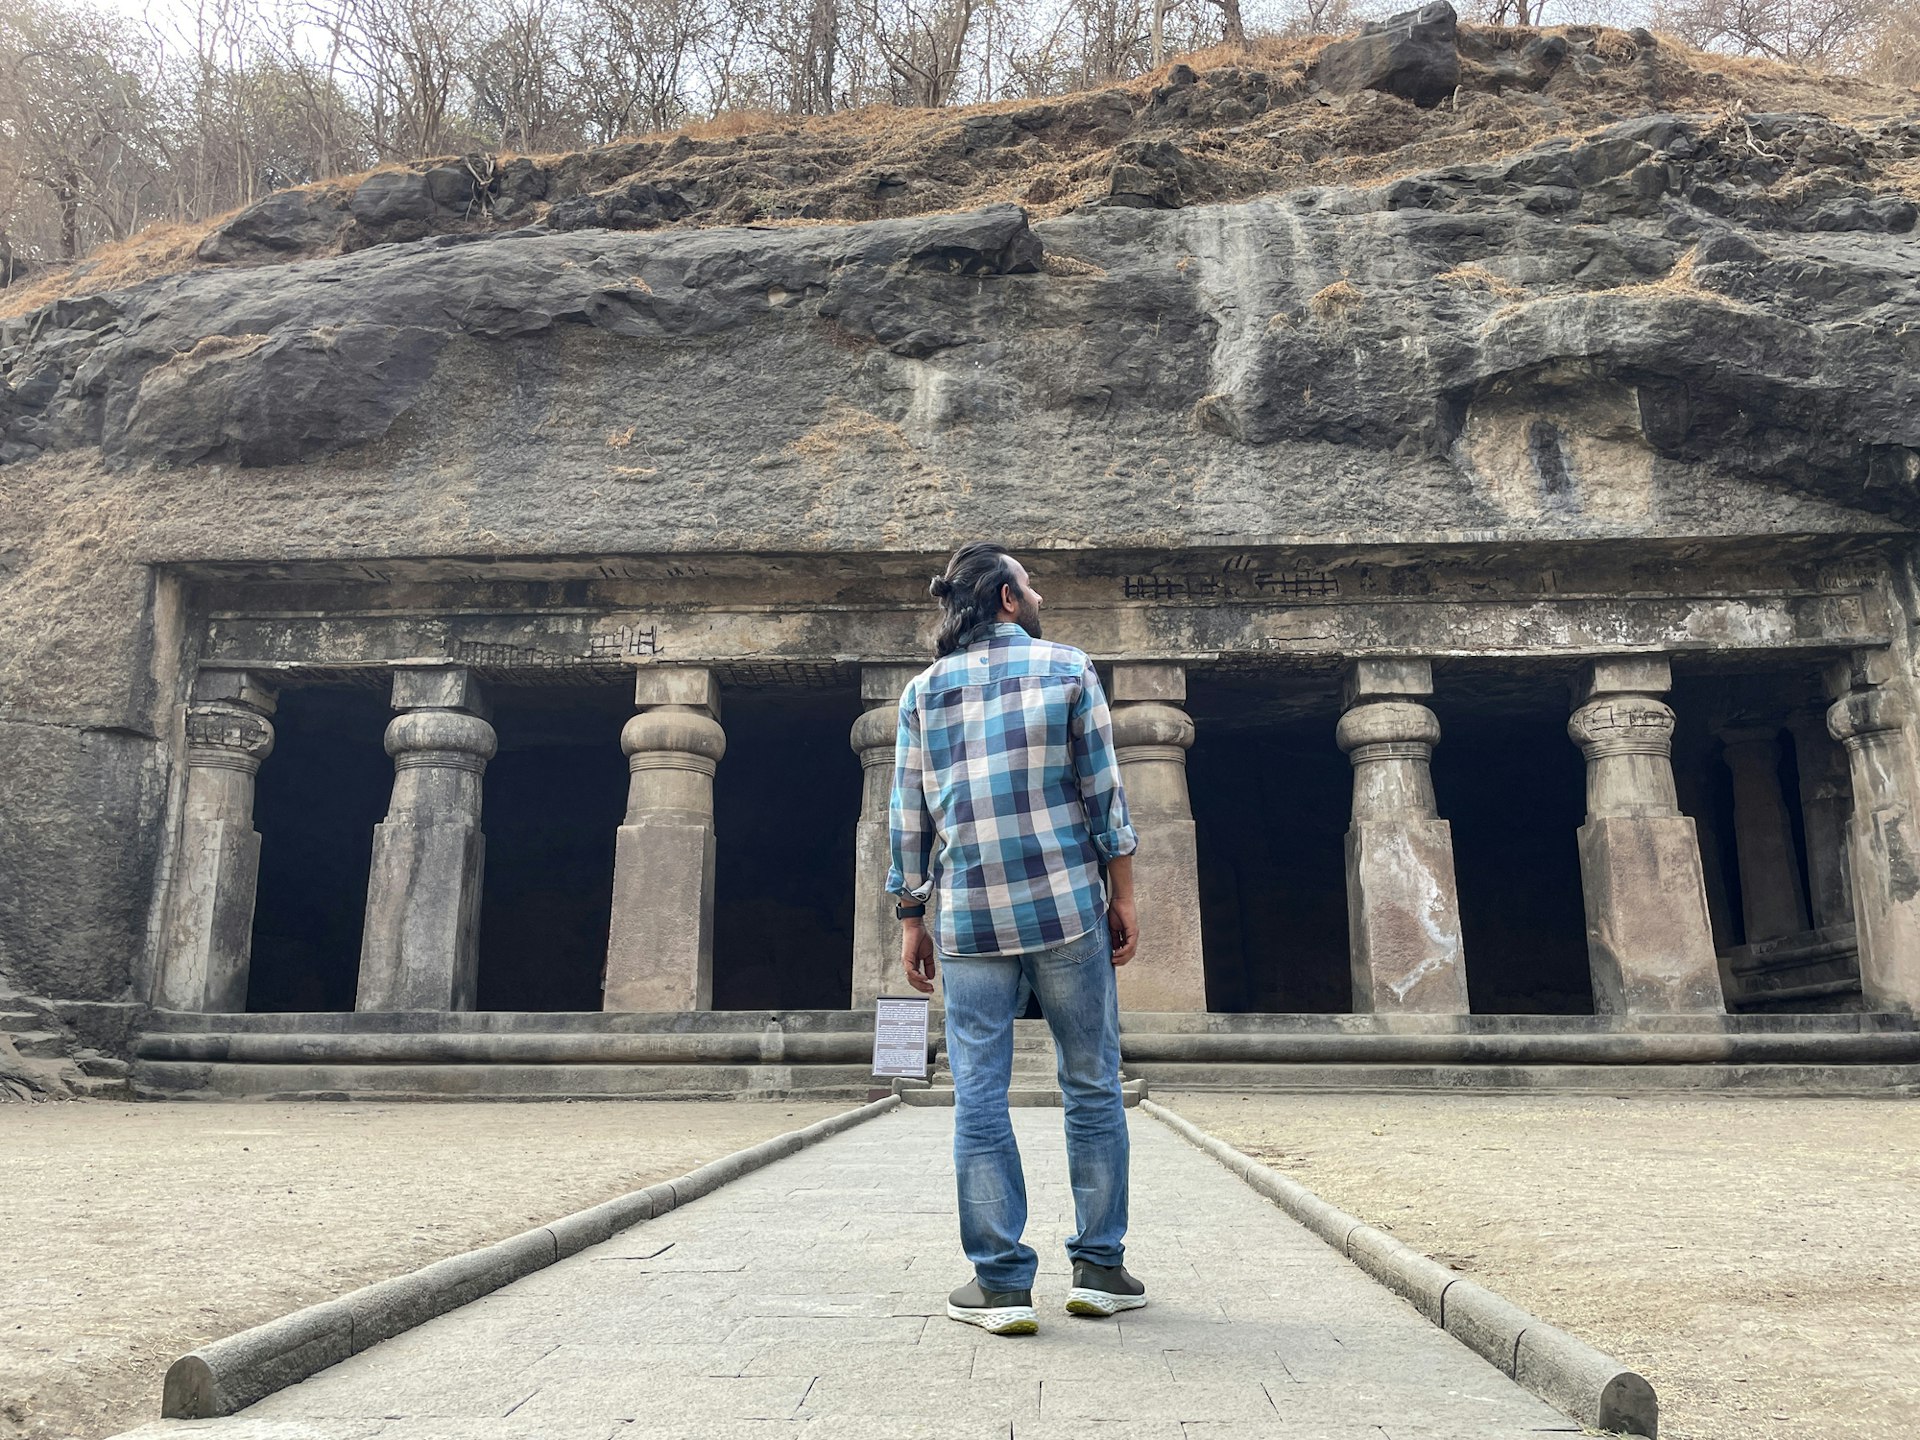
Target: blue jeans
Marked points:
1075	984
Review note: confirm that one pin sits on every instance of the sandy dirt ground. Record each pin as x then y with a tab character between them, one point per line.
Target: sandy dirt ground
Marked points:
133	1233
1755	1259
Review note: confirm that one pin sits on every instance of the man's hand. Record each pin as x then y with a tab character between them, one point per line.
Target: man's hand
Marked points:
1124	927
916	955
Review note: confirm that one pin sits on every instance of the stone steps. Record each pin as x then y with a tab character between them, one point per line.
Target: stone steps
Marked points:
513	1022
1868	1081
179	1080
749	1047
827	1054
41	1059
38	1044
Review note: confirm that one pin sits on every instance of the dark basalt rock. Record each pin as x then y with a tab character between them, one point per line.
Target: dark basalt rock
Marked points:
288	222
1413	55
1759	326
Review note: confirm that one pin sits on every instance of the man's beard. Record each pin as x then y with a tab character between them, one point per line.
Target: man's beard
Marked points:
1028	617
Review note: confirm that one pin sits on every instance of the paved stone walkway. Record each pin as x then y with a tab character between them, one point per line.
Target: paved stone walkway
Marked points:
808	1299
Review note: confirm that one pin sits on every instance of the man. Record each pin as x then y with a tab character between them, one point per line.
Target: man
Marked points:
1007	806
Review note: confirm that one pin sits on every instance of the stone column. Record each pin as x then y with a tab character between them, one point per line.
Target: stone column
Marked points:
208	939
1649	942
1826	802
1403	905
1151	736
1873	718
420	948
660	946
1772	903
876	932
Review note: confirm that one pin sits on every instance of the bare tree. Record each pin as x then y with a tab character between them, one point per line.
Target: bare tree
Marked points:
74	109
921	46
1829	34
406	61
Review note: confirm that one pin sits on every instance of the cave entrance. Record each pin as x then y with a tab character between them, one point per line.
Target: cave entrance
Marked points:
786	801
1512	785
318	797
1271	793
1769	790
555	796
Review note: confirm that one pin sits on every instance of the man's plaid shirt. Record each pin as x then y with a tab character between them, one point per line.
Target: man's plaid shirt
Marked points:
1006	795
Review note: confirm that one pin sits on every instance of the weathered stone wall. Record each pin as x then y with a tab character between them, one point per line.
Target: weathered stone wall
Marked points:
1616	339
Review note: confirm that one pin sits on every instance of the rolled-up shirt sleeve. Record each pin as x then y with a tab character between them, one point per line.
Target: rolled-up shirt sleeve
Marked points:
1098	770
909	822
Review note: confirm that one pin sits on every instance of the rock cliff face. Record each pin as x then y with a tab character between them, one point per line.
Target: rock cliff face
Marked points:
1731	292
1671	325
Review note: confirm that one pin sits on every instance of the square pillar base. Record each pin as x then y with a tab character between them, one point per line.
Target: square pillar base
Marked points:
1169	972
660	945
1886	879
420	949
1403	919
211	927
876	929
1649	942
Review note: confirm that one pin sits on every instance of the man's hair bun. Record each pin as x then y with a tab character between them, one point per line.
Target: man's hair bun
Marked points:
940	588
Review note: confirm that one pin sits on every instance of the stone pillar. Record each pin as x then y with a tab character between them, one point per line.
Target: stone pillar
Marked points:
1873	718
1772	903
208	939
876	931
1151	736
1403	906
1826	802
660	946
1649	941
420	948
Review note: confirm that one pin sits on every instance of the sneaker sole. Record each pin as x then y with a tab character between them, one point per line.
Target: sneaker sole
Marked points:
1006	1320
1100	1304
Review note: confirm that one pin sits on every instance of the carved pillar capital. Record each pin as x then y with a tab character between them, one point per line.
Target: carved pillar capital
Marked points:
1860	717
1388	730
450	739
673	737
1151	730
1610	725
873	736
224	735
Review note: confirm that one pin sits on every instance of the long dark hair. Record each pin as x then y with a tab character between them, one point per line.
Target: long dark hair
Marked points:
969	591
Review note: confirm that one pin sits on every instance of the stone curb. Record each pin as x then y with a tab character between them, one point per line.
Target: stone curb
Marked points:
1569	1374
233	1373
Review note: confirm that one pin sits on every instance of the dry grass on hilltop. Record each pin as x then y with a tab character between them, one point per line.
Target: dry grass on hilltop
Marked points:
1252	124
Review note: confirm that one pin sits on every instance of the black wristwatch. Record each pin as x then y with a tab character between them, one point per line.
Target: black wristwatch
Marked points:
909	912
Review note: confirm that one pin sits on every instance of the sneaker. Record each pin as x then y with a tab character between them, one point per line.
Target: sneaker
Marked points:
998	1312
1103	1290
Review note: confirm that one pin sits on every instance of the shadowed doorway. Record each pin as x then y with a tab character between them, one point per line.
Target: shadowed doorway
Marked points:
319	795
786	800
555	794
1271	793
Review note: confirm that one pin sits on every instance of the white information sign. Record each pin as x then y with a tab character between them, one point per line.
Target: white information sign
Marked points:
900	1036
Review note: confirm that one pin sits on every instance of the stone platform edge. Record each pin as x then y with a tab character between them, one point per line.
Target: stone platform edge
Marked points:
1566	1372
230	1374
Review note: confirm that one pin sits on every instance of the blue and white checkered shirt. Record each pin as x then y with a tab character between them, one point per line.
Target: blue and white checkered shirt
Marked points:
1006	795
